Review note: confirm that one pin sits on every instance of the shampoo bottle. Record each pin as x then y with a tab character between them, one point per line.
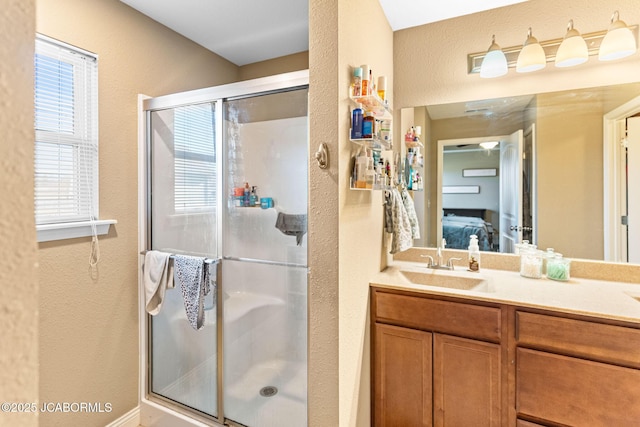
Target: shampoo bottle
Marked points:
367	126
365	87
357	81
356	123
474	253
247	194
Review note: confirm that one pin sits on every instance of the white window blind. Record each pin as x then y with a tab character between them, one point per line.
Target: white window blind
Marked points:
195	158
66	131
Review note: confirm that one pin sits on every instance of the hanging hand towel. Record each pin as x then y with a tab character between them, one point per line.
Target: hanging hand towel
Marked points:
411	213
157	274
292	225
401	237
388	212
193	275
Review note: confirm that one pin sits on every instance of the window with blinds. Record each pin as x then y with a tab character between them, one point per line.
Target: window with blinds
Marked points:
195	158
66	132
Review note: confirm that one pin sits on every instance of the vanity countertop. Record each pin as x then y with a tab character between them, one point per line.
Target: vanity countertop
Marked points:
598	298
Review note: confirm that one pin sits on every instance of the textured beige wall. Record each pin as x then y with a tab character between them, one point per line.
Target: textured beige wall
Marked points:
361	213
574	188
323	216
89	327
284	64
18	254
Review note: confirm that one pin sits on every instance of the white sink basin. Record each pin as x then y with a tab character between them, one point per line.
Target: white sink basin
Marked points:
431	278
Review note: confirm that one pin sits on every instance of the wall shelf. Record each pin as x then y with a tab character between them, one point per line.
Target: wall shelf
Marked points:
378	107
373	143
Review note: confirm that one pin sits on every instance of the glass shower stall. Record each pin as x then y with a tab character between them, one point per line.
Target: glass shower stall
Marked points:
226	174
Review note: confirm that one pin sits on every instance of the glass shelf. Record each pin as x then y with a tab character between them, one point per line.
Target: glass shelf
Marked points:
373	143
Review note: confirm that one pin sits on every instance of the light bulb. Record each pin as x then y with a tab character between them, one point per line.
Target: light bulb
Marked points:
573	49
532	56
494	63
619	42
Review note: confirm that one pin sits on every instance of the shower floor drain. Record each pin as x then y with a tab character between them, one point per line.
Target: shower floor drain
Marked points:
268	391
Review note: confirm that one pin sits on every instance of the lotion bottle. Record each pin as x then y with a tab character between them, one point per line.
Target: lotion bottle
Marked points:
474	253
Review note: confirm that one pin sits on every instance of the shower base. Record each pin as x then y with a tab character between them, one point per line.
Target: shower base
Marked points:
243	401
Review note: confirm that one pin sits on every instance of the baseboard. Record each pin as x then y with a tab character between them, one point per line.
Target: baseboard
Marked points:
130	419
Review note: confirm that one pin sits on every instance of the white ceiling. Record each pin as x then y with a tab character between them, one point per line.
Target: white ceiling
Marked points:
245	31
500	107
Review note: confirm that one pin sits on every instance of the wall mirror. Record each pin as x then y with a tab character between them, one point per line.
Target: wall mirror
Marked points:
565	173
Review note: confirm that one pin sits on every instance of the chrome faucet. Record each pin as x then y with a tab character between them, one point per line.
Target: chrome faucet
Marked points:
438	264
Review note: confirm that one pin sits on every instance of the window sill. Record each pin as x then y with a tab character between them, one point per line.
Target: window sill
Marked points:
72	230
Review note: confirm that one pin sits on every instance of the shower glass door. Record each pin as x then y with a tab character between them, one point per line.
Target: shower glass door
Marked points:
248	365
184	203
264	271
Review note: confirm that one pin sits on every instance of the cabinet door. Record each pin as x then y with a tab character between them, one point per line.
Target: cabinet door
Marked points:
571	391
466	382
402	372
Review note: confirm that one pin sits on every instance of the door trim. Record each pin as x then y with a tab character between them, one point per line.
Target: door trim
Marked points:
612	176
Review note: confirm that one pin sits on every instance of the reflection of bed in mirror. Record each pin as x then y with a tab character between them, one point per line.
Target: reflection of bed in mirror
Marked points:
460	223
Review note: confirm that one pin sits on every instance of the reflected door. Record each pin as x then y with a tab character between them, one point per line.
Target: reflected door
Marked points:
633	189
511	192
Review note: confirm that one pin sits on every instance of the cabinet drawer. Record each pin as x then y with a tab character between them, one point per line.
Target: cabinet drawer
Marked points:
447	317
523	423
576	392
607	343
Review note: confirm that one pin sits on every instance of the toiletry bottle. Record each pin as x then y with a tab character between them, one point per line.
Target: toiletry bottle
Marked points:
367	126
361	178
356	123
408	137
253	198
357	81
382	87
474	253
365	80
247	194
370	174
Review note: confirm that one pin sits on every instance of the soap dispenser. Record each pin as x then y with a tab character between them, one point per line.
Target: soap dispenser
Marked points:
474	253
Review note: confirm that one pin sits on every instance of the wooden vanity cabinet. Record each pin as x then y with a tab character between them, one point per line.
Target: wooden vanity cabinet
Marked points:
576	372
443	361
435	362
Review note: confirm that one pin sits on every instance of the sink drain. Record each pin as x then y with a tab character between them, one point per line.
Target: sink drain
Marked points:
268	391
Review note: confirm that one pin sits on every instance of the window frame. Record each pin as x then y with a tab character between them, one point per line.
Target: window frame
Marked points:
84	221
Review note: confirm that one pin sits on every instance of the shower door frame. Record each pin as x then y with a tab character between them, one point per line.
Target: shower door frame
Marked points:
152	407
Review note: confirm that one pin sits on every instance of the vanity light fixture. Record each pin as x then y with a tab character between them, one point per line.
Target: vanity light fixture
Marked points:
532	56
573	49
494	63
619	41
488	145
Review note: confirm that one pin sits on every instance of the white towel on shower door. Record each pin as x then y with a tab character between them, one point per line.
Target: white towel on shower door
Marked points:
158	277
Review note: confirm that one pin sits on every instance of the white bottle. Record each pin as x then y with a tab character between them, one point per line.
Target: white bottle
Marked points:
474	253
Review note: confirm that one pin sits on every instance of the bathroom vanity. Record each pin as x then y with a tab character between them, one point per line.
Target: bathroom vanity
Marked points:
495	349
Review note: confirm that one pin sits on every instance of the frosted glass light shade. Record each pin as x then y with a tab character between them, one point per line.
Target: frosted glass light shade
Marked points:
573	49
619	41
488	145
532	56
494	63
